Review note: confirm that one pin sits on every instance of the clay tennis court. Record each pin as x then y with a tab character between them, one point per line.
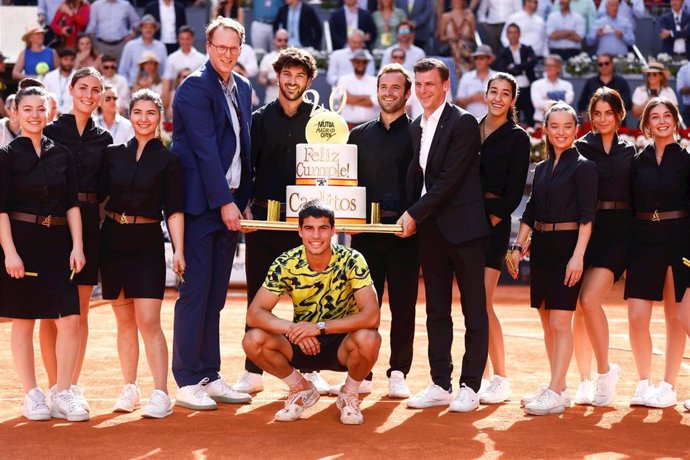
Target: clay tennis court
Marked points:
390	429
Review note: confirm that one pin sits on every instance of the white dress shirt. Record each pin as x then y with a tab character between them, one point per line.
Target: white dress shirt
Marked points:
428	130
178	61
532	31
340	63
234	174
248	60
497	11
266	66
121	130
544	90
58	84
470	84
412	55
364	86
168	34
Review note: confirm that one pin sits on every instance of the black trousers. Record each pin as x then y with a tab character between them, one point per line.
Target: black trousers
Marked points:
440	260
263	247
396	261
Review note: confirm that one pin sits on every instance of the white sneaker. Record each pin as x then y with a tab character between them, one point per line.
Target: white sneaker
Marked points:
497	391
397	386
319	382
52	391
585	393
296	403
350	414
483	386
644	387
663	396
565	397
221	392
79	396
159	405
364	389
195	397
548	402
249	382
533	397
686	404
129	400
66	406
431	396
605	391
35	405
465	401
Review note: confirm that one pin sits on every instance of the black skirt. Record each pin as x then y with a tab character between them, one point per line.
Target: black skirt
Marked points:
498	245
549	257
90	221
133	260
51	294
609	245
657	246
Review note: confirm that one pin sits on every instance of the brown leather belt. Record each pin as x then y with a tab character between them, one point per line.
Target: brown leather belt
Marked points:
46	221
555	227
657	216
491	195
263	203
613	205
87	197
125	219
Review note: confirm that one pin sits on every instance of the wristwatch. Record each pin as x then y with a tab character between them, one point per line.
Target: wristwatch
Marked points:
322	327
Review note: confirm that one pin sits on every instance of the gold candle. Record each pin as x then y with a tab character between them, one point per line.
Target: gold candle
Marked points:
273	211
375	213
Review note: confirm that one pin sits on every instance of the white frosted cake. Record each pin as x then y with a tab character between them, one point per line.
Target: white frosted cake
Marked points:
328	172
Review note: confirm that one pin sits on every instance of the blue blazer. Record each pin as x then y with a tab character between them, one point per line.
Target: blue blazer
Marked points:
204	139
338	26
153	8
666	22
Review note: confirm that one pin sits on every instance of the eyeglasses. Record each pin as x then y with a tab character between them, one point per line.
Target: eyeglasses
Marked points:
223	50
604	64
109	67
110	98
397	56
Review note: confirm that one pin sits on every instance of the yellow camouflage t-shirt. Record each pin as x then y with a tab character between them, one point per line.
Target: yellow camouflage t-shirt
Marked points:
324	295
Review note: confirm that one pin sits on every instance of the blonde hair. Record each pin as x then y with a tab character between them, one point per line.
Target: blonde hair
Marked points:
225	23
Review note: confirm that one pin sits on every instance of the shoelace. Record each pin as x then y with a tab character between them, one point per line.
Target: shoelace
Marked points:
157	399
493	386
199	391
351	403
70	401
37	399
128	394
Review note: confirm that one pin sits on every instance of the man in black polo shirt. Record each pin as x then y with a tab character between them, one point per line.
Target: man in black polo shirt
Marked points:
606	78
384	153
276	130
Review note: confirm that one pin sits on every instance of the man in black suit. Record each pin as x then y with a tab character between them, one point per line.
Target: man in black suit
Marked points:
309	33
348	18
173	18
519	61
674	30
448	212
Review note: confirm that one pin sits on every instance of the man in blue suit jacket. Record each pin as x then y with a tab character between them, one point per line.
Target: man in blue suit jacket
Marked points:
673	26
153	8
340	29
212	114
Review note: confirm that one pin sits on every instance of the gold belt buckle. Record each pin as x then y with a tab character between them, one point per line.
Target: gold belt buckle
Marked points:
47	222
655	216
123	219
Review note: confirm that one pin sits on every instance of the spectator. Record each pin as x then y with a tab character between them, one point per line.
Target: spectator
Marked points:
472	86
46	11
70	20
9	126
261	29
34	53
565	30
112	24
187	57
171	15
584	8
519	60
119	82
181	75
348	18
148	76
229	9
406	40
457	28
674	31
532	27
550	87
656	85
629	10
340	61
239	68
248	61
492	15
420	14
302	23
386	19
683	89
134	49
86	53
3	86
611	34
109	119
58	81
267	75
52	107
362	103
607	78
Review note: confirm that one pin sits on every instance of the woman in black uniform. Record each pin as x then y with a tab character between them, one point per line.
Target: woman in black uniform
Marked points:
559	216
40	234
143	179
504	160
661	201
607	253
87	142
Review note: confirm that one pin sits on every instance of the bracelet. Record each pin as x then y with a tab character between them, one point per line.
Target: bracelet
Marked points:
514	247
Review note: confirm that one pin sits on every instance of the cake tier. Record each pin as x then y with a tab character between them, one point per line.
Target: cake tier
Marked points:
336	163
349	203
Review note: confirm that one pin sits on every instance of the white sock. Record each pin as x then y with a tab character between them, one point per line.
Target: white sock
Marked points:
351	385
294	380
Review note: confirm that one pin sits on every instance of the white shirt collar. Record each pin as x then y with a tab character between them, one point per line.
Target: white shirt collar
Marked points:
434	116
